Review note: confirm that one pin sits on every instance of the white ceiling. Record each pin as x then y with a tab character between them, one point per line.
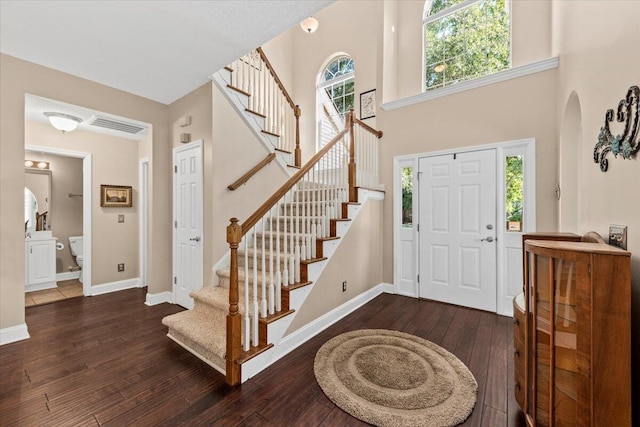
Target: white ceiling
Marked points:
160	50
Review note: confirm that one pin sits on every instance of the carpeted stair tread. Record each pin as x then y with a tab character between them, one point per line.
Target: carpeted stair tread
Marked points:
206	332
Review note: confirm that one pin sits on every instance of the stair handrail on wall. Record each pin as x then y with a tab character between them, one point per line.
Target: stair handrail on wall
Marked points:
287	228
254	76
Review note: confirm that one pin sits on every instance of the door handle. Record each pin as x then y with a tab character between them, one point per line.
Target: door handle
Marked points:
195	239
488	239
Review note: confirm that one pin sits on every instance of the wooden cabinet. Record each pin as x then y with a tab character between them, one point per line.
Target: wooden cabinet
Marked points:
572	329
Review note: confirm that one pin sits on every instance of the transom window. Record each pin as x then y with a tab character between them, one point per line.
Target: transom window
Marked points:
464	40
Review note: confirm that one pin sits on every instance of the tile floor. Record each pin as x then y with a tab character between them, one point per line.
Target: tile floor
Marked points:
66	289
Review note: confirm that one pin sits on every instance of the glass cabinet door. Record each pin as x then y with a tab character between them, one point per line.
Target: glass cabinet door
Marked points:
551	385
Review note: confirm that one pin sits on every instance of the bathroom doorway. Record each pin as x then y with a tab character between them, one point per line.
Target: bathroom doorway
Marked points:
85	195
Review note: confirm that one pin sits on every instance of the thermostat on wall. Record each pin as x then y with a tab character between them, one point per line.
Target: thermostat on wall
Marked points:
618	236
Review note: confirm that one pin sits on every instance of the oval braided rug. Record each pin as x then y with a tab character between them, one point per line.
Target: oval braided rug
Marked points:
389	378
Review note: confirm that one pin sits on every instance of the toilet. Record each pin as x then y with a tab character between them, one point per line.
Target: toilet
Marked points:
76	245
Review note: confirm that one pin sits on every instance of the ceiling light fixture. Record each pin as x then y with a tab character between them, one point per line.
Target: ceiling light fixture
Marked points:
63	122
28	163
440	68
309	25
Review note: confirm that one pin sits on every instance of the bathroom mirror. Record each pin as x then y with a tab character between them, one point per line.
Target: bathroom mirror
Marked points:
30	211
38	183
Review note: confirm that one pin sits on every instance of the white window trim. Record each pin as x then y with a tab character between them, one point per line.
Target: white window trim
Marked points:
337	80
448	11
501	76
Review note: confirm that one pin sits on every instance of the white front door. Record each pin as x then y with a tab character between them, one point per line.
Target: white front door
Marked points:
187	209
457	235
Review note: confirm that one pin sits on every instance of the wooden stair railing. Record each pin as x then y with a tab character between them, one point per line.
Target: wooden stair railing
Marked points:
254	170
280	239
254	76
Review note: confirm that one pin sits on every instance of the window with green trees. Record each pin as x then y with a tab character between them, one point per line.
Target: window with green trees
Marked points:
514	181
338	84
407	197
464	40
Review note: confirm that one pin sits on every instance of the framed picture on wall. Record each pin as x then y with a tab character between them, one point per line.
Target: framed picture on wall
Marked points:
116	196
368	104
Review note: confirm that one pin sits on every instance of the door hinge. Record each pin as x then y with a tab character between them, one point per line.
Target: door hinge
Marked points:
418	278
175	280
175	224
175	168
418	228
454	156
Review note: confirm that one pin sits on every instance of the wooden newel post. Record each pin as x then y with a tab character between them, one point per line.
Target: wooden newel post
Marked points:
234	324
298	153
353	192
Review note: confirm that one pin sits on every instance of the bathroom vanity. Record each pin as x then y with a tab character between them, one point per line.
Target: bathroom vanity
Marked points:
40	261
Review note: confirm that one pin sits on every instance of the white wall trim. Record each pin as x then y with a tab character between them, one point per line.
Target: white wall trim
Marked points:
13	334
120	285
159	298
67	275
310	330
86	206
143	186
512	73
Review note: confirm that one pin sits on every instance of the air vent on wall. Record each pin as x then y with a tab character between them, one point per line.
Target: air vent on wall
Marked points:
118	125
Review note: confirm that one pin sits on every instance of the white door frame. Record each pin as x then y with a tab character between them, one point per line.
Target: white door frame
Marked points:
529	145
143	180
86	206
195	144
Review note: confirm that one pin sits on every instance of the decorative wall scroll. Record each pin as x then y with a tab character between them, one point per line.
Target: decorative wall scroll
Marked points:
626	144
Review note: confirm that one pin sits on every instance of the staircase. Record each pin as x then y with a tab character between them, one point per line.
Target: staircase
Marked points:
279	252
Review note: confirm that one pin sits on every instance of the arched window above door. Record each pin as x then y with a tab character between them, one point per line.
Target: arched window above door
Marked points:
335	96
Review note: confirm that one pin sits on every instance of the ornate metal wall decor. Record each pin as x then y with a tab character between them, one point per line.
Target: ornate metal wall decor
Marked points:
626	144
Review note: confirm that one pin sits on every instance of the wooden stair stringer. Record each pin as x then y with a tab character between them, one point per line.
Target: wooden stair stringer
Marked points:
238	99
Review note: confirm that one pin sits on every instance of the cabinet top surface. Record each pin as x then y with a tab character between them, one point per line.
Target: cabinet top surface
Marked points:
597	248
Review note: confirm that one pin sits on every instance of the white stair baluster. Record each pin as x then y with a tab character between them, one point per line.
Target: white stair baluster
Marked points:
271	255
246	327
278	282
255	329
263	287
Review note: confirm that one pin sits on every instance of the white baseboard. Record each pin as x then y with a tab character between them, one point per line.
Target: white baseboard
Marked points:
120	285
68	275
155	299
310	330
40	287
13	334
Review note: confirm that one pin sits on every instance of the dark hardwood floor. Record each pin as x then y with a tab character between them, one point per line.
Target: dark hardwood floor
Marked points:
107	360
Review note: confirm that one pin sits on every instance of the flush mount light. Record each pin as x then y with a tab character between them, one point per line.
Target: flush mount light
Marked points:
440	68
43	165
28	163
309	25
63	122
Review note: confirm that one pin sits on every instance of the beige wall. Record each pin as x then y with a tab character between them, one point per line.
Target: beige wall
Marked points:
114	161
198	105
18	78
599	63
235	151
66	212
515	109
358	260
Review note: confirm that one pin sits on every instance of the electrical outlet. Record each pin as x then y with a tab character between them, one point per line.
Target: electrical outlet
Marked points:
121	267
120	218
344	286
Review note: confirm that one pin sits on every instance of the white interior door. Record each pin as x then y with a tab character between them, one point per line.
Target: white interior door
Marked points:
457	237
187	210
